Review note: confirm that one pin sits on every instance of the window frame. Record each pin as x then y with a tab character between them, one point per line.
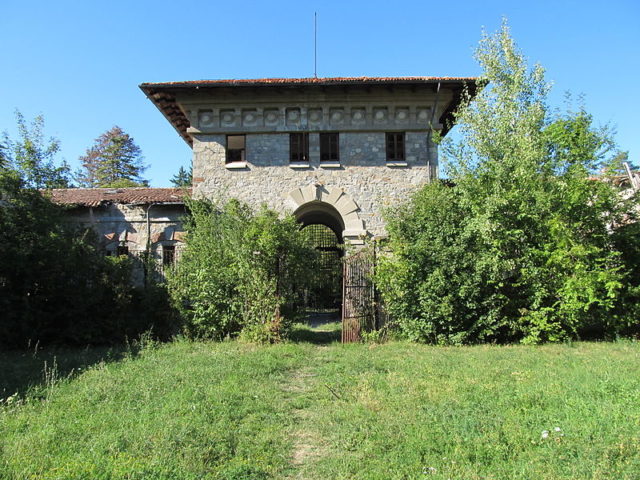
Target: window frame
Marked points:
299	147
168	255
327	140
243	150
395	146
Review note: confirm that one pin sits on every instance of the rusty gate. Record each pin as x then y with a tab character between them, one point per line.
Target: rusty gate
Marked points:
359	298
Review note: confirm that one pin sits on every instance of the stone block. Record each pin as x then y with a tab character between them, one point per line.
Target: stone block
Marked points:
297	196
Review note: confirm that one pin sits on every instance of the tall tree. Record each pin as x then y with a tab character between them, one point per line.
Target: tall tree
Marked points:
183	178
113	161
520	247
4	160
616	165
33	156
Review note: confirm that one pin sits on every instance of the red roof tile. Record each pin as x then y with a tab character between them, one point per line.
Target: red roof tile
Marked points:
308	81
94	197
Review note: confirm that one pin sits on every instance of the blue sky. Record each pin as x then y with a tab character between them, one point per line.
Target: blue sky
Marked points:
79	63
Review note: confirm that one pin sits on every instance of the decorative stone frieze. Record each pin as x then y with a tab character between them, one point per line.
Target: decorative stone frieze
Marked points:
313	118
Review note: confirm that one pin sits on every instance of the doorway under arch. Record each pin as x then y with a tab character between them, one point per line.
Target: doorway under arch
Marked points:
323	226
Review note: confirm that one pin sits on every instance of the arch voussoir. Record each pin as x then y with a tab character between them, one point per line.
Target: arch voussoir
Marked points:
303	199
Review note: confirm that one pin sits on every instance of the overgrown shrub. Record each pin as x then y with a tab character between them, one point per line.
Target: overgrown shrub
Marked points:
241	272
55	284
519	246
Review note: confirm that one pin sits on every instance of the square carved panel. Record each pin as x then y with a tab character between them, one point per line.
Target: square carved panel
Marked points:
228	118
380	115
249	118
293	116
271	116
358	116
336	116
205	118
402	115
315	116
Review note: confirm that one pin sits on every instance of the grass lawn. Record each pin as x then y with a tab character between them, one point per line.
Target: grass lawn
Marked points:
323	411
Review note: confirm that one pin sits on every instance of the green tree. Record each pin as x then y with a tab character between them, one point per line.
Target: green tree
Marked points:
519	248
33	156
183	178
113	161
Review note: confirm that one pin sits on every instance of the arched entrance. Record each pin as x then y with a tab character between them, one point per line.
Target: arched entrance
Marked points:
323	226
332	218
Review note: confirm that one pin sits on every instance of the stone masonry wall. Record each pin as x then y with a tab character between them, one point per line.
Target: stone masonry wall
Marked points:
363	172
126	225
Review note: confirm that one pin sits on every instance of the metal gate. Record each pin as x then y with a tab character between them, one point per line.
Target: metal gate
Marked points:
358	295
325	289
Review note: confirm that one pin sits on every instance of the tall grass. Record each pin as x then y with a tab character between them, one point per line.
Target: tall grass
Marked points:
236	411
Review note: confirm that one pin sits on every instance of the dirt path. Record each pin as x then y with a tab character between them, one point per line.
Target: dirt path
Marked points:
307	444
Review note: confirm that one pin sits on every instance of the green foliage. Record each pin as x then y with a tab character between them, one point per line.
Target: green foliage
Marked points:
33	157
183	178
519	247
114	161
241	272
55	284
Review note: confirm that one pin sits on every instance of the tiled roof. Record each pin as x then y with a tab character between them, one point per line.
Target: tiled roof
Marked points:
94	197
308	81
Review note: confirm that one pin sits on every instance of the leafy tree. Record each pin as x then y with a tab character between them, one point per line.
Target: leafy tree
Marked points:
33	157
183	178
113	161
519	247
240	273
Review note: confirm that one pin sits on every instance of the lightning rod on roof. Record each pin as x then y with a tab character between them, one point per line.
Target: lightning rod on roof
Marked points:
315	44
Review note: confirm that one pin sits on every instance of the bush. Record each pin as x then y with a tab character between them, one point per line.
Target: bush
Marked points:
240	272
56	286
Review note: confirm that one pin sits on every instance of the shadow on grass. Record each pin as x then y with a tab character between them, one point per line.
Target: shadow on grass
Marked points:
25	372
318	328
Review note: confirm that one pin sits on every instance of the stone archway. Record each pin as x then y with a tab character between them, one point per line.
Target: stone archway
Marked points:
329	206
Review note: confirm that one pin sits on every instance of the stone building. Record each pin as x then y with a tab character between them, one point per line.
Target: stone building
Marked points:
333	151
130	221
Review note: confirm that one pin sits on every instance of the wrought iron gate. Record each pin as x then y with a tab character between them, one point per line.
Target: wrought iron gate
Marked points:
324	293
358	296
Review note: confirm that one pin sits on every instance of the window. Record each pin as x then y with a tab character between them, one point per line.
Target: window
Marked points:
395	147
329	150
299	147
168	255
122	250
235	148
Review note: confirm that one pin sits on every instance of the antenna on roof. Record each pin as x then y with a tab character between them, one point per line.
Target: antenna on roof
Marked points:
315	44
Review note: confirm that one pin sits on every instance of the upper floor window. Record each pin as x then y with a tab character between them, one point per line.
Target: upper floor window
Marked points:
235	148
299	147
395	146
329	150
